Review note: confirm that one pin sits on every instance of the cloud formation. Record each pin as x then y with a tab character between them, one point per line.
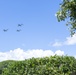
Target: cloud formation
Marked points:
20	54
57	44
71	40
68	41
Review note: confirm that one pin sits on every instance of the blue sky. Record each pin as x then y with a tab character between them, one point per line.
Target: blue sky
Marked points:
40	29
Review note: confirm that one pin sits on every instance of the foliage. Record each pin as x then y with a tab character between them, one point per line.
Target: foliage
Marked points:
5	64
68	11
54	65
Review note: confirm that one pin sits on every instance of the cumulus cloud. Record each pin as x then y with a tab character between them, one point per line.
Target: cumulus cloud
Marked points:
75	56
20	54
59	52
71	40
68	41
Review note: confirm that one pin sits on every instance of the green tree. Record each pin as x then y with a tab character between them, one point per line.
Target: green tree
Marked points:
53	65
67	12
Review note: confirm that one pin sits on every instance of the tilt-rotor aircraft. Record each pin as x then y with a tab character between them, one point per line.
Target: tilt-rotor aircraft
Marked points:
18	30
19	25
5	30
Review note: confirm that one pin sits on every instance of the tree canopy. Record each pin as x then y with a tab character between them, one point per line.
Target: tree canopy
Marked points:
67	12
53	65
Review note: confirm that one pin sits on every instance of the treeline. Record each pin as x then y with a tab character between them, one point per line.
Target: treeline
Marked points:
53	65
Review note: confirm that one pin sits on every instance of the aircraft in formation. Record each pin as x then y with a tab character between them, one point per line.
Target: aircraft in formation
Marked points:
18	30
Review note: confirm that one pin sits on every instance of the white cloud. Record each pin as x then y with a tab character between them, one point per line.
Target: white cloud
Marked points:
20	54
68	41
71	40
57	44
59	52
75	56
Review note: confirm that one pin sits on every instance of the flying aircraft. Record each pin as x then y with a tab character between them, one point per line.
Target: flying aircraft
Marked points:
5	30
18	30
20	25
